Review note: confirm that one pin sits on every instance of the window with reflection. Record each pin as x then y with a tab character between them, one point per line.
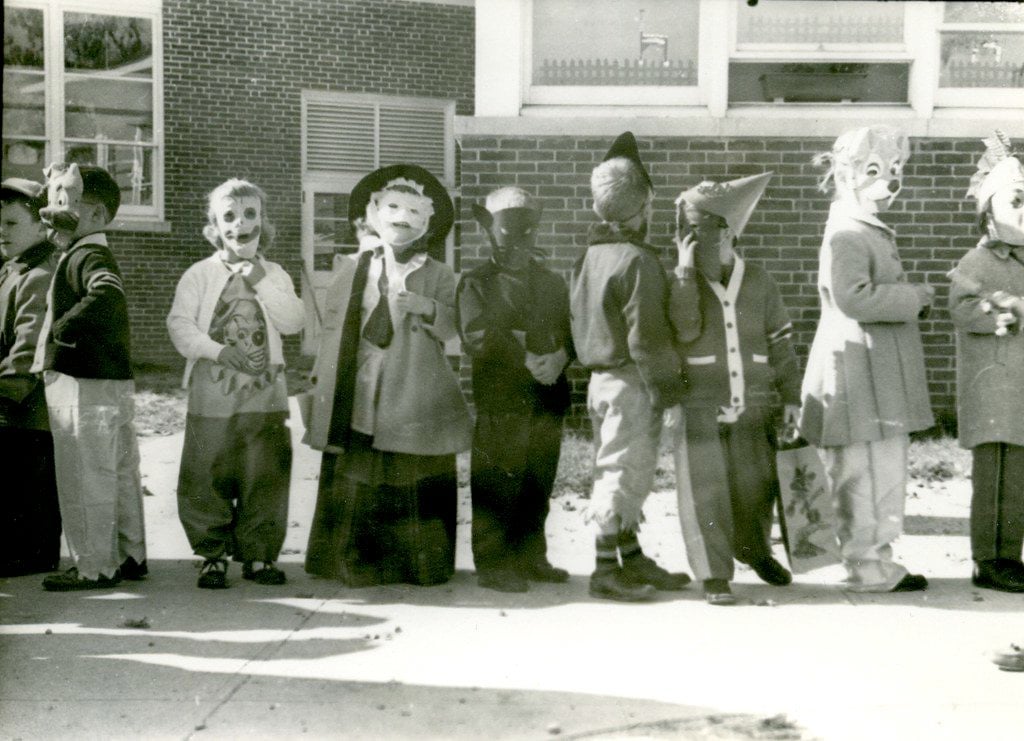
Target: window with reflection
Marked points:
615	42
100	103
982	45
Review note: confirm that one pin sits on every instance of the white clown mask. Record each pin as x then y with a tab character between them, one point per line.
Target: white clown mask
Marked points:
238	220
400	213
1006	209
867	166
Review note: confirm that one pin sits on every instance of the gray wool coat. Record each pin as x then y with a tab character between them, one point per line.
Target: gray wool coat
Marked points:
989	368
865	377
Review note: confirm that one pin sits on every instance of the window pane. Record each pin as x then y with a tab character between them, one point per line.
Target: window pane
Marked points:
106	42
130	165
972	59
108	108
615	42
24	101
23	38
815	22
1002	12
822	82
332	233
24	159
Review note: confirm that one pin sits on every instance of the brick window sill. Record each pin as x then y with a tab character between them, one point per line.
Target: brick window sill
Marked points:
153	226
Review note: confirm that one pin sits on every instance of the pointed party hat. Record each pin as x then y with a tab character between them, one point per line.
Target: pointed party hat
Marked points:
733	200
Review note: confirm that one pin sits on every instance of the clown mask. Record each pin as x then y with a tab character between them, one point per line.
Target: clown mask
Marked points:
868	167
238	220
1006	214
399	215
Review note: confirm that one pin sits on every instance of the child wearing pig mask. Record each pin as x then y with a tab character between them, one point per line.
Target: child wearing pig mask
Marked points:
229	313
986	302
513	318
865	390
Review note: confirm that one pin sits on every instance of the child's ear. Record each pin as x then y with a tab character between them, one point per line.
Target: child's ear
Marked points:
212	235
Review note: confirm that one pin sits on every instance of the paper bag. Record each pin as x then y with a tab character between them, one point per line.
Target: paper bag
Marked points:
806	511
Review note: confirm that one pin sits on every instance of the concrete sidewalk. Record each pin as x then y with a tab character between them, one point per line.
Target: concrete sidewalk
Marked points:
162	659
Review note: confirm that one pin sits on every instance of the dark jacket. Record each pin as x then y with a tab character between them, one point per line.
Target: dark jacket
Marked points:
89	337
492	304
24	282
624	310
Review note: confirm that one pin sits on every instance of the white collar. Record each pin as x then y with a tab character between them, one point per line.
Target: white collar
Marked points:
857	213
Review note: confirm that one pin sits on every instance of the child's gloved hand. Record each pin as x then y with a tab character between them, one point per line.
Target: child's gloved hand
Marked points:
672	416
686	248
414	303
253	273
233	358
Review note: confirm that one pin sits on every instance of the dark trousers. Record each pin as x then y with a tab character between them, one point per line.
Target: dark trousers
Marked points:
727	485
30	524
997	502
233	485
513	466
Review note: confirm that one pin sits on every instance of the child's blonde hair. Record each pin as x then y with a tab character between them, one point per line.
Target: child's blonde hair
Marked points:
235	188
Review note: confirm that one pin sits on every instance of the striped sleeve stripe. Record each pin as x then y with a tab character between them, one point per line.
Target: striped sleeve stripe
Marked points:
782	333
104	279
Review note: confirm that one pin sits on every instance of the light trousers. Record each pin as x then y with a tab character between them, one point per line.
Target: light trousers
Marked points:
869	484
96	459
626	433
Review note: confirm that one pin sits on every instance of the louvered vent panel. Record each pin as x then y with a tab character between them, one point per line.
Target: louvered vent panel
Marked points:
339	136
413	135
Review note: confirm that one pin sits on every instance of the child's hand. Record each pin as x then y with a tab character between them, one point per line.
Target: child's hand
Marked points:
253	273
672	416
233	358
686	247
547	368
414	303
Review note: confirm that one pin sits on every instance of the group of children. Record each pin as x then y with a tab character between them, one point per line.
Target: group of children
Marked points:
704	351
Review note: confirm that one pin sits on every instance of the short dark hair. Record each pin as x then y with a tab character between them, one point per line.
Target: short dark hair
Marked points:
32	205
98	186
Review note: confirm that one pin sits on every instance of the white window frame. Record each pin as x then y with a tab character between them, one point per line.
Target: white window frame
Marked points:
641	95
972	97
53	68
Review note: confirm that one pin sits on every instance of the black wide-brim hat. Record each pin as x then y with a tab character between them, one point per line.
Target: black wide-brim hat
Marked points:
444	211
625	146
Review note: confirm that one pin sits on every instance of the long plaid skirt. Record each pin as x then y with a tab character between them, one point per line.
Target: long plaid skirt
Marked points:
384	518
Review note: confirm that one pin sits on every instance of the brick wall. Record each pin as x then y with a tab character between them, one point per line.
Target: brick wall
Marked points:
934	222
233	75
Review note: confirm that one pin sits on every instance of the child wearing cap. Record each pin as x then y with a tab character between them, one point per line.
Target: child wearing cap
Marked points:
513	316
740	370
30	525
986	303
387	408
84	353
626	319
229	312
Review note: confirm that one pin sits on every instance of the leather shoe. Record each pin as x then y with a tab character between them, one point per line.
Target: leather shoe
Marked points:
132	570
541	570
213	574
1001	574
71	581
772	572
502	581
268	574
911	583
612	585
640	570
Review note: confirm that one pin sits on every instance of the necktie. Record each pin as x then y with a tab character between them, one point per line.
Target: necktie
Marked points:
378	329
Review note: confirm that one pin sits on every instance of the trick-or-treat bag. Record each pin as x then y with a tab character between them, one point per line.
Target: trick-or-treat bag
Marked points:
806	511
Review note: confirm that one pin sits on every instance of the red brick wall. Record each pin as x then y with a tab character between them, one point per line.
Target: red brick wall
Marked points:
233	75
934	222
